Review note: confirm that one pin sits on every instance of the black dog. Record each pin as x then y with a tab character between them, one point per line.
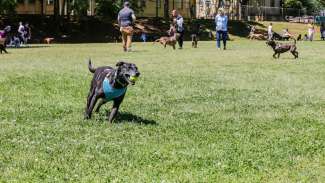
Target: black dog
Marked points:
195	40
299	38
2	49
109	84
279	48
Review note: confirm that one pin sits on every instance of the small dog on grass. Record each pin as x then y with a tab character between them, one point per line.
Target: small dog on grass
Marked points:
110	84
2	45
279	48
48	40
171	40
256	36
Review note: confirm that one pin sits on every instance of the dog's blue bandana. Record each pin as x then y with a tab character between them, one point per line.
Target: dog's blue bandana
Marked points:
110	92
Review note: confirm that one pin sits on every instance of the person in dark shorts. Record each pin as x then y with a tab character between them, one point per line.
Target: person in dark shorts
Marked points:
125	20
179	21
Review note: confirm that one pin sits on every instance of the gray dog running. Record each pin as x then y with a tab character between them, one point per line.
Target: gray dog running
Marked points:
279	48
110	84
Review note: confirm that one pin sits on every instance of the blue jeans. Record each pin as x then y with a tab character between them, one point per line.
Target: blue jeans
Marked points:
222	35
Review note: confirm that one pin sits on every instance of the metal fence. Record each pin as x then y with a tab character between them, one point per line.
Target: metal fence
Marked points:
251	12
205	9
270	13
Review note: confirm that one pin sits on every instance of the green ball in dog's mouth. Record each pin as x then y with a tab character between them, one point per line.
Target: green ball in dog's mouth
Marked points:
134	78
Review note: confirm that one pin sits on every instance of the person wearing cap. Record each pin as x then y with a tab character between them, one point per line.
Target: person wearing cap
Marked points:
221	21
179	21
125	20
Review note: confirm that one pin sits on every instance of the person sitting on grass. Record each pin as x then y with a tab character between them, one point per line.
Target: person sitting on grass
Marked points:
286	34
305	37
144	37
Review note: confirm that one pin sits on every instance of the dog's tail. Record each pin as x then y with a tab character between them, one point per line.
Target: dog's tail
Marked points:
90	67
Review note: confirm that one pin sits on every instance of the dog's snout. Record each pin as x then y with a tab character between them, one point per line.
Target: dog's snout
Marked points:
137	74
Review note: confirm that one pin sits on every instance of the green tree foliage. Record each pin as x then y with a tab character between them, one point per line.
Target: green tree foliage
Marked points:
80	7
107	8
293	4
7	6
310	5
110	8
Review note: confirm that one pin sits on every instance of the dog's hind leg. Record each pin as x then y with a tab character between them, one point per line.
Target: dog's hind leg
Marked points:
91	106
89	98
101	102
295	54
3	49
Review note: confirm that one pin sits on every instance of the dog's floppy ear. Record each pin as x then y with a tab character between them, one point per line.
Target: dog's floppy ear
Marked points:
120	63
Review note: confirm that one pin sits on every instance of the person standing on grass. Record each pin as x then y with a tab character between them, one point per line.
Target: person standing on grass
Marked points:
322	31
28	33
221	21
125	20
270	31
21	32
311	32
178	19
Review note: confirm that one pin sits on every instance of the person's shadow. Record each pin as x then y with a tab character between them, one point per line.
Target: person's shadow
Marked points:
131	118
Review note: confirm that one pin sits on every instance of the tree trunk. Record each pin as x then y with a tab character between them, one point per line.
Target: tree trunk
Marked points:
56	9
42	6
63	7
166	9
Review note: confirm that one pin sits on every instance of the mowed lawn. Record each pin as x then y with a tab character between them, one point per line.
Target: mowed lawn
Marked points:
196	115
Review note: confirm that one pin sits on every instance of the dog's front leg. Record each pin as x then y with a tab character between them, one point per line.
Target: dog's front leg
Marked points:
116	105
274	55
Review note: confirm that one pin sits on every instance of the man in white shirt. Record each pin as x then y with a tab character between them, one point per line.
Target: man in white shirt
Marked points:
179	27
21	32
270	31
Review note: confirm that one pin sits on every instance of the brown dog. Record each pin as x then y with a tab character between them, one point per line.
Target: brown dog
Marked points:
171	40
256	36
48	40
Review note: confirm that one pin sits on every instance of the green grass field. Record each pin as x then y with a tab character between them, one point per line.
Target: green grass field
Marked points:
196	115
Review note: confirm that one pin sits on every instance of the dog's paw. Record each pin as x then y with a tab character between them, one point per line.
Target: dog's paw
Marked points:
87	116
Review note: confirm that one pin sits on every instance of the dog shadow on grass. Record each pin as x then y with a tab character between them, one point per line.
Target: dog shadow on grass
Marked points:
131	118
125	117
31	46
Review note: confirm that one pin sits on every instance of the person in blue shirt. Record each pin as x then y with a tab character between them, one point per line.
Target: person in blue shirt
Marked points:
221	21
